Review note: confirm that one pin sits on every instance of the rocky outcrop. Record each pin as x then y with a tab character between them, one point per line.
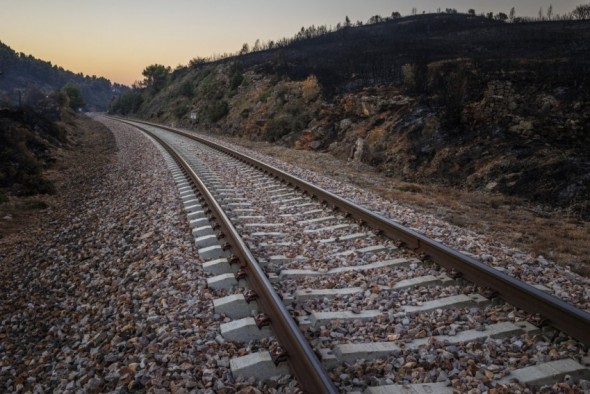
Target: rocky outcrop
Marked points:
498	103
510	136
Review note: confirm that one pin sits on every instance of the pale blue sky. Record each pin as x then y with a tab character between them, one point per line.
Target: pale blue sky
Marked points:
117	39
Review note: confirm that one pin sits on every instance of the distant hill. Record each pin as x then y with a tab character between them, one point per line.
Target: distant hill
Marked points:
21	73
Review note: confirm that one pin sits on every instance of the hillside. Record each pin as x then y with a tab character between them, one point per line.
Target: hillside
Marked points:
456	100
29	137
21	75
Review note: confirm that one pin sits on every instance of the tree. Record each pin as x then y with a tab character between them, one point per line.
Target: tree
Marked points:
490	15
257	47
511	15
72	90
550	11
197	61
245	49
347	21
128	102
396	15
471	12
375	19
582	11
501	16
414	10
541	13
155	76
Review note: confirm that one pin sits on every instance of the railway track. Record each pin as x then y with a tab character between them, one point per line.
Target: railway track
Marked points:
352	301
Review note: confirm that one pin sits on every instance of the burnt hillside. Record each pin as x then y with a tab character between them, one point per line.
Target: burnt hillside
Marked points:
458	100
364	56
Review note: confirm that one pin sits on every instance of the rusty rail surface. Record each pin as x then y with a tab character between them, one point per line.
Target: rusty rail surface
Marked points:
303	362
555	312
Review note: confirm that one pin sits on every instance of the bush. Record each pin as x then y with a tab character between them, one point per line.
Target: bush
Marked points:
216	110
72	90
409	187
294	116
263	98
35	184
3	197
211	88
310	89
186	89
126	103
236	76
277	127
35	204
235	81
180	110
415	77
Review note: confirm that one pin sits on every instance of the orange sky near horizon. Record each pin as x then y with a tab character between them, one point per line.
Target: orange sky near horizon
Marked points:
117	39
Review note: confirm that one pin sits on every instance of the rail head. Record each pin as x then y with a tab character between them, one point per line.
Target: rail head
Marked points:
556	312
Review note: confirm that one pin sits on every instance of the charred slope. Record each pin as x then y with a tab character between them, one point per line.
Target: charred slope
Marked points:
450	99
364	56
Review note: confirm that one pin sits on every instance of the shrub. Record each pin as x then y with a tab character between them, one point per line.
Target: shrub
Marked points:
278	127
180	110
236	75
409	187
235	81
72	90
186	89
263	98
35	204
294	116
310	89
211	88
35	184
216	110
415	77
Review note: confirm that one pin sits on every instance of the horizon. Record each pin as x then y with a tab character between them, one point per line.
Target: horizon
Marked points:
92	39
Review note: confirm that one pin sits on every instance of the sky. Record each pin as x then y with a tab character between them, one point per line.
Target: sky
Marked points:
117	39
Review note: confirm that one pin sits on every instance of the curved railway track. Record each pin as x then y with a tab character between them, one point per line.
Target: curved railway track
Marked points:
354	300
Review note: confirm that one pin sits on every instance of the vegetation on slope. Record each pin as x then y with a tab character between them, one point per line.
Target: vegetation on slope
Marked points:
28	136
447	98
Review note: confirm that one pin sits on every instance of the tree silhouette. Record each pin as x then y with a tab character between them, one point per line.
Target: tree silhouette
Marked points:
155	76
501	16
582	11
72	90
245	49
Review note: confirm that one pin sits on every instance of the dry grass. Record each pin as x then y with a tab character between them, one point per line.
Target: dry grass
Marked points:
512	221
310	89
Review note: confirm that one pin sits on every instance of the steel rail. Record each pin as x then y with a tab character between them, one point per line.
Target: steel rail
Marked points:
303	361
555	312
